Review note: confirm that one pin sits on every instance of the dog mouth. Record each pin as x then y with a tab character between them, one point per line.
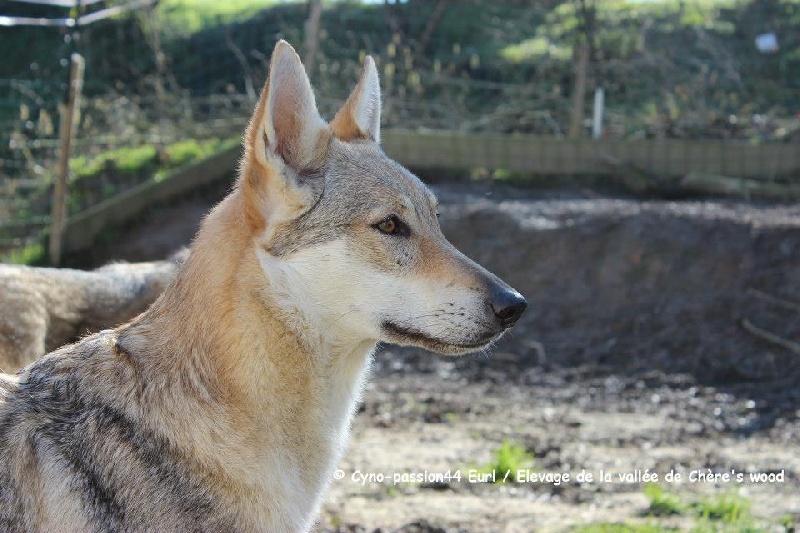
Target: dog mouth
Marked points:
404	335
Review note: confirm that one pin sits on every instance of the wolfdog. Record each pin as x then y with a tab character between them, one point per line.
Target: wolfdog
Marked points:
42	309
227	404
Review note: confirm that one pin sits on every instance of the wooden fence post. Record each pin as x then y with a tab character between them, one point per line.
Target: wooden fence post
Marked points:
599	108
580	66
312	35
67	130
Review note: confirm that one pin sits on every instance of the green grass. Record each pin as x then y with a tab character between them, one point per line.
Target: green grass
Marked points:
737	527
706	527
727	513
195	15
728	509
725	509
509	457
32	255
618	31
146	158
536	48
127	159
137	161
622	528
663	503
694	13
185	152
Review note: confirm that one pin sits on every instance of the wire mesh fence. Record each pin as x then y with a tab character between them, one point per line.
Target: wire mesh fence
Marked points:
171	81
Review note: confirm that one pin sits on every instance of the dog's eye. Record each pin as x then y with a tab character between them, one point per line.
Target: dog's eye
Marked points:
392	225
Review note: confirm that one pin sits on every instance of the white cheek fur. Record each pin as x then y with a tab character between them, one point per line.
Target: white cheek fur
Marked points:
333	294
339	298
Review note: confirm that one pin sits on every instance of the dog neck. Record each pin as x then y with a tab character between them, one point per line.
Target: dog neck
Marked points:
220	340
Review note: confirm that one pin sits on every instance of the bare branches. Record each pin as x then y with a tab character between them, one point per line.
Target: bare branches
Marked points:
249	87
774	300
769	336
312	35
762	333
430	27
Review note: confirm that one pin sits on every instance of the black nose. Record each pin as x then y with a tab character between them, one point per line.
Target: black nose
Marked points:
508	305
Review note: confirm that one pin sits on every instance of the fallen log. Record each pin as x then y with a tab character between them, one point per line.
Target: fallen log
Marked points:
715	184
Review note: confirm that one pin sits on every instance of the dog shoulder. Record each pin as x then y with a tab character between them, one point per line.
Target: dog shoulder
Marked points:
75	438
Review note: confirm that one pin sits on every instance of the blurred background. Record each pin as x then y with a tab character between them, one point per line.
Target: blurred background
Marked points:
167	82
631	166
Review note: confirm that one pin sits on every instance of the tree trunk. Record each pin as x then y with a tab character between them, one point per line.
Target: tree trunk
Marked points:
581	66
312	35
430	27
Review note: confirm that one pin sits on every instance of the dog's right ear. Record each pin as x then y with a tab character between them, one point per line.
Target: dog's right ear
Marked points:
284	144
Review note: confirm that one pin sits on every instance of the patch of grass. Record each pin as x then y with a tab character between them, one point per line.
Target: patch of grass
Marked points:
190	150
728	513
336	521
536	49
707	526
143	158
695	13
184	151
720	513
728	509
608	527
134	158
618	27
31	255
663	503
126	159
509	457
194	15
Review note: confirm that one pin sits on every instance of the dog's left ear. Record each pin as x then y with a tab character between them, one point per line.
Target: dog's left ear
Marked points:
360	117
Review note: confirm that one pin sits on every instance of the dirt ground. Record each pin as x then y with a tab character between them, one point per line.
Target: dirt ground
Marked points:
637	356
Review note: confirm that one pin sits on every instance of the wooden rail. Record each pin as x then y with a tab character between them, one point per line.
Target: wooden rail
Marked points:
83	228
555	156
521	153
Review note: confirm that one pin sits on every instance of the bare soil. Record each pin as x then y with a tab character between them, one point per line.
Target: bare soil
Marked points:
631	359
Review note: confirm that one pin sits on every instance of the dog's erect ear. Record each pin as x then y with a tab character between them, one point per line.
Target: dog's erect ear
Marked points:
360	117
284	144
288	122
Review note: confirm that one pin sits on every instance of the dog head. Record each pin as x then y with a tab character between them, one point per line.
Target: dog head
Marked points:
348	239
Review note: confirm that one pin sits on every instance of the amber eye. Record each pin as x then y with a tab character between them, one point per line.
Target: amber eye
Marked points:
388	226
392	225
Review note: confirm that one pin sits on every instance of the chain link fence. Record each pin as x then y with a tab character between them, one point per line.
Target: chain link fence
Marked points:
171	81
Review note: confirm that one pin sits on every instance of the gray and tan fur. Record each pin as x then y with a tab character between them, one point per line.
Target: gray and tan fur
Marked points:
42	309
227	404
